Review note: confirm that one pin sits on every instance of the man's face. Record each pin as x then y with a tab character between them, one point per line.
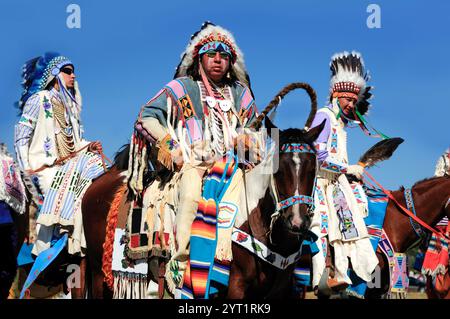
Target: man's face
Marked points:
347	104
68	75
215	64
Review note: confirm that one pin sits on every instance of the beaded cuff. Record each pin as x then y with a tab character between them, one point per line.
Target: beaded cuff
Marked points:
165	148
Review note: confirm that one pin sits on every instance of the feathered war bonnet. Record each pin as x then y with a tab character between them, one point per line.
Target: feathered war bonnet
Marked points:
212	34
38	72
349	79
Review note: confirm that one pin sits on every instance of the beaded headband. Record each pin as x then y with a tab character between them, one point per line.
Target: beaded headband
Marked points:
53	68
216	46
216	37
346	89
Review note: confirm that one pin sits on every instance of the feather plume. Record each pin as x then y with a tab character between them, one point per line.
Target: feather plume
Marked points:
381	151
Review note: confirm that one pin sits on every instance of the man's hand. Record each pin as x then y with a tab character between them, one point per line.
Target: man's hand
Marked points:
242	140
356	170
177	157
248	146
95	147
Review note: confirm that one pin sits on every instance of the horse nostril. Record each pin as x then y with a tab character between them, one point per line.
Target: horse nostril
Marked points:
296	222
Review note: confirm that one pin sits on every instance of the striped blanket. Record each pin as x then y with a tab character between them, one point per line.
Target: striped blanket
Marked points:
203	271
436	259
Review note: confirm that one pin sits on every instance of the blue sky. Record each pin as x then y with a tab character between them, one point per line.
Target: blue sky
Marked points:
125	52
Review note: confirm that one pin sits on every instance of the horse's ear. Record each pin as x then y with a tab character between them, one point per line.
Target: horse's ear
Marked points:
269	126
314	133
268	123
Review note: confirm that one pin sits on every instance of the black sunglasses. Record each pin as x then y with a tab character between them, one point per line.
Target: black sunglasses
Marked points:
67	71
223	54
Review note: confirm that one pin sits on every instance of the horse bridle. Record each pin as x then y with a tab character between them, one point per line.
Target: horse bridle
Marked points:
295	199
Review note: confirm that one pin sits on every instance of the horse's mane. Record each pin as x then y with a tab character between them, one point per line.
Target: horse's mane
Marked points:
428	179
121	157
121	160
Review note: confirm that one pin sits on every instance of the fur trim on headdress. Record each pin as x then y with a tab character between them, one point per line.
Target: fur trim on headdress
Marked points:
348	76
210	32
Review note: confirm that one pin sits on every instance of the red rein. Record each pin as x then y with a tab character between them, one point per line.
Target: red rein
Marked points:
409	213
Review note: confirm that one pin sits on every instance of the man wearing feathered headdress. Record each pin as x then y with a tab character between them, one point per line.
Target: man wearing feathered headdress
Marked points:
50	147
443	164
339	205
195	119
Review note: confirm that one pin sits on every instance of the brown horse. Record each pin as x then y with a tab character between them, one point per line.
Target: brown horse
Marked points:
440	289
431	204
98	198
251	276
95	206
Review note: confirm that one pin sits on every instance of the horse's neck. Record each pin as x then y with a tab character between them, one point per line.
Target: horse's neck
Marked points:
429	201
277	238
256	184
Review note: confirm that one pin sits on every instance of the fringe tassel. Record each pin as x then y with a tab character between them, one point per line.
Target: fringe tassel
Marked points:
150	219
164	147
396	295
441	269
142	167
108	245
129	286
165	158
137	163
161	227
224	250
132	159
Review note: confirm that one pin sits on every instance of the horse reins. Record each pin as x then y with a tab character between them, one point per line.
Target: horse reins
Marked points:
72	155
407	211
411	207
256	125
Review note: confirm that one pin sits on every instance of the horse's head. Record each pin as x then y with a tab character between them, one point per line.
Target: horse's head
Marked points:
293	182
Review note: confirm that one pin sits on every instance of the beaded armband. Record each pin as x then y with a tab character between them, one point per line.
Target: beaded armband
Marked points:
333	167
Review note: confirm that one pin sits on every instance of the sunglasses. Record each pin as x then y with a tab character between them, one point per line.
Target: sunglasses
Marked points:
67	71
212	54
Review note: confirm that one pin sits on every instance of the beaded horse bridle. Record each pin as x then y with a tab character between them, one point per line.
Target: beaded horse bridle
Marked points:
295	199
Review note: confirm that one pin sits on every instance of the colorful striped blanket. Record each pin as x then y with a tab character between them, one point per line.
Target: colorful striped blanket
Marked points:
204	272
436	259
